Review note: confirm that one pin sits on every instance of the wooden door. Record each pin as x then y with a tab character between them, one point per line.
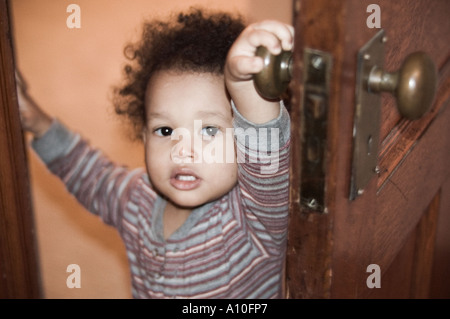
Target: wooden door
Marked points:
19	271
401	222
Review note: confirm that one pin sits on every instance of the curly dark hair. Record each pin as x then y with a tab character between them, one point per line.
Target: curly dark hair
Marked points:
195	41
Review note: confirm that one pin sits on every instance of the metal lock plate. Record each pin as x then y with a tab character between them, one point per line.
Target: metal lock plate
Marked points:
314	129
366	129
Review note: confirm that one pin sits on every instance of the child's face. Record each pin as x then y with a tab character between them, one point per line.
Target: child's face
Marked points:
189	143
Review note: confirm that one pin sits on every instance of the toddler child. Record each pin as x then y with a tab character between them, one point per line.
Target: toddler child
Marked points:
207	218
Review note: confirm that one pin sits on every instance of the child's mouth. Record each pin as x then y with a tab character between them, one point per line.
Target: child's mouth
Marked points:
184	180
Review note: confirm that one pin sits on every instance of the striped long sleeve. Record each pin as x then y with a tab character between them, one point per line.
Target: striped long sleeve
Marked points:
233	247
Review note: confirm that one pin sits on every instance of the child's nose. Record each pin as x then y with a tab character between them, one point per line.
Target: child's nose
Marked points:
184	151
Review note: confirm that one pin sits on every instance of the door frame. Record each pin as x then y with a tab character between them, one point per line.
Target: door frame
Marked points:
19	270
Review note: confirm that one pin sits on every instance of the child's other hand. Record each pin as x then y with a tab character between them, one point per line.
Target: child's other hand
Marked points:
32	117
242	63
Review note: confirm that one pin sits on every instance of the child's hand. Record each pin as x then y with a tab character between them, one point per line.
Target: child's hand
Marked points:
242	64
33	118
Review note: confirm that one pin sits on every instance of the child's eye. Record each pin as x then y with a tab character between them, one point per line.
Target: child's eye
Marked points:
163	131
210	131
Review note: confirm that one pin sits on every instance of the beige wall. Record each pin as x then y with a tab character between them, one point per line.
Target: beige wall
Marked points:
70	73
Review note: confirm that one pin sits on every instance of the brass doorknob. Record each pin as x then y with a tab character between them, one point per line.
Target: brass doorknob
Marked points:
413	85
274	79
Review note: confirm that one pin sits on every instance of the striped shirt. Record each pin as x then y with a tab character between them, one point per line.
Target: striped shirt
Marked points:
233	247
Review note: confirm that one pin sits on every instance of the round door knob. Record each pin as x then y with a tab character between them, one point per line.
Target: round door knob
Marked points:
413	85
274	79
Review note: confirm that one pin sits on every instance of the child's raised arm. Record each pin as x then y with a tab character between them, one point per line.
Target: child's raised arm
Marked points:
33	118
242	64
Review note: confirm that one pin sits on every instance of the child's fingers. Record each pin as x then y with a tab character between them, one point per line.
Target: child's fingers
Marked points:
284	32
243	67
273	35
260	37
20	81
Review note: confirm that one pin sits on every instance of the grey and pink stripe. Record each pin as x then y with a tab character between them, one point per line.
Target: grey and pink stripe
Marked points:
231	248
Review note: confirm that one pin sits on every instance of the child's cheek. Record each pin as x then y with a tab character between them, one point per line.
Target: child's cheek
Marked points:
219	150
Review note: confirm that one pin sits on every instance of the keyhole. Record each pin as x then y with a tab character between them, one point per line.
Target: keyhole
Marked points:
369	145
